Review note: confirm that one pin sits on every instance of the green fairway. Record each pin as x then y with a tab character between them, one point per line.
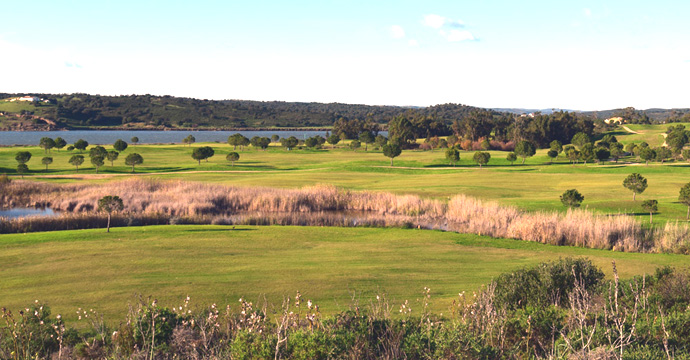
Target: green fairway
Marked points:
92	269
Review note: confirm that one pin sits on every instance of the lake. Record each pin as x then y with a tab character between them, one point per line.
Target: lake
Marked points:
14	213
105	137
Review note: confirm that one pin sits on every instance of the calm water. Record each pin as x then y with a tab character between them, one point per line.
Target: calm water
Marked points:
104	137
24	212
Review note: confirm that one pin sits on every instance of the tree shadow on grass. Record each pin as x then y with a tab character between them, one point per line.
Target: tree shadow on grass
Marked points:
218	230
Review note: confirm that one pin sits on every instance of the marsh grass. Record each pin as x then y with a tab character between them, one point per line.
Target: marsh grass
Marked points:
150	202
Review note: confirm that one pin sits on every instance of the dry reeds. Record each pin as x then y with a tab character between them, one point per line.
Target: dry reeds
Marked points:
178	202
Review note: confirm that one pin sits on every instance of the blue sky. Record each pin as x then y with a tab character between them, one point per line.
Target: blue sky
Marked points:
533	54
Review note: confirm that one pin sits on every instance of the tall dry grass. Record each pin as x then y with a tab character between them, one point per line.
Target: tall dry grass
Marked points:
178	202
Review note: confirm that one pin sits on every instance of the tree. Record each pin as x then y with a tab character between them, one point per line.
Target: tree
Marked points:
651	206
557	146
23	157
261	142
134	140
572	198
97	161
190	139
366	137
47	160
355	144
76	160
134	159
46	144
452	155
333	140
22	169
525	149
275	138
686	155
380	140
289	143
684	198
60	143
392	150
232	157
238	140
202	153
580	139
120	145
630	148
607	140
552	154
81	145
635	183
602	154
616	150
401	130
110	204
511	157
112	156
662	154
573	155
98	151
481	158
587	152
646	154
70	148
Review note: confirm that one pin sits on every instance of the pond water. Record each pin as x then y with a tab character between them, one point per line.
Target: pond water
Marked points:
104	137
14	213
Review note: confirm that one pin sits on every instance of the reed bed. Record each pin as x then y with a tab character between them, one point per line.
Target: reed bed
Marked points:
179	202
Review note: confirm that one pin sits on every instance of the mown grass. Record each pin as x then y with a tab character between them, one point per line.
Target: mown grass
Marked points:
92	269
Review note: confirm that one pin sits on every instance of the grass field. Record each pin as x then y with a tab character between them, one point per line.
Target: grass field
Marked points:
536	185
92	269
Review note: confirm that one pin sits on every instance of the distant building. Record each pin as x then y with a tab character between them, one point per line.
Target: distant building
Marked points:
27	98
615	120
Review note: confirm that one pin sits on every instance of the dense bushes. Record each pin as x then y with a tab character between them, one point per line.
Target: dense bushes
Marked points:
639	318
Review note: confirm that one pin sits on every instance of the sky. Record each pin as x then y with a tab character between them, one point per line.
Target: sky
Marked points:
580	55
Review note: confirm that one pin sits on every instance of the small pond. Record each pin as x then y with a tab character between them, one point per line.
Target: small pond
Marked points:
14	213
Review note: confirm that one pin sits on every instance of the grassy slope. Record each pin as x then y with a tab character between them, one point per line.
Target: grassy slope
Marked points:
92	269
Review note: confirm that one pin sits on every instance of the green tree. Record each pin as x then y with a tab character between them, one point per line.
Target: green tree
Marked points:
452	155
275	138
112	156
650	206
525	149
22	157
573	155
366	137
481	158
401	130
635	183
232	157
556	146
355	144
22	169
260	142
97	161
81	145
333	140
616	150
238	140
70	148
119	145
47	160
76	160
572	198
580	139
380	141
630	148
602	154
134	140
134	159
646	154
189	140
313	142
485	144
110	204
98	151
607	140
392	150
684	198
202	153
552	154
60	143
587	152
511	157
662	154
289	143
46	144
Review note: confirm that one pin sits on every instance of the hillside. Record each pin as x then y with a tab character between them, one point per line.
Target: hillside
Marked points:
79	111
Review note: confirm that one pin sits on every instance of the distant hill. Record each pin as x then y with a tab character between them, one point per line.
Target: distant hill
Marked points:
75	111
520	111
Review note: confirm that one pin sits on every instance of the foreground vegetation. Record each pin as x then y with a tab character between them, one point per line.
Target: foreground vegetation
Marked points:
559	310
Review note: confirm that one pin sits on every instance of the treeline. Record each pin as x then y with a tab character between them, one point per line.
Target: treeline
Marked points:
564	309
649	116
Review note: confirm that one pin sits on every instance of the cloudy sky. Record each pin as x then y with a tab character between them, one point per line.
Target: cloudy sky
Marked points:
584	55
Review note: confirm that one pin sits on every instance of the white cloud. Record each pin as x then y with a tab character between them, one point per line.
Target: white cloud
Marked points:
458	35
413	43
397	32
434	21
587	12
